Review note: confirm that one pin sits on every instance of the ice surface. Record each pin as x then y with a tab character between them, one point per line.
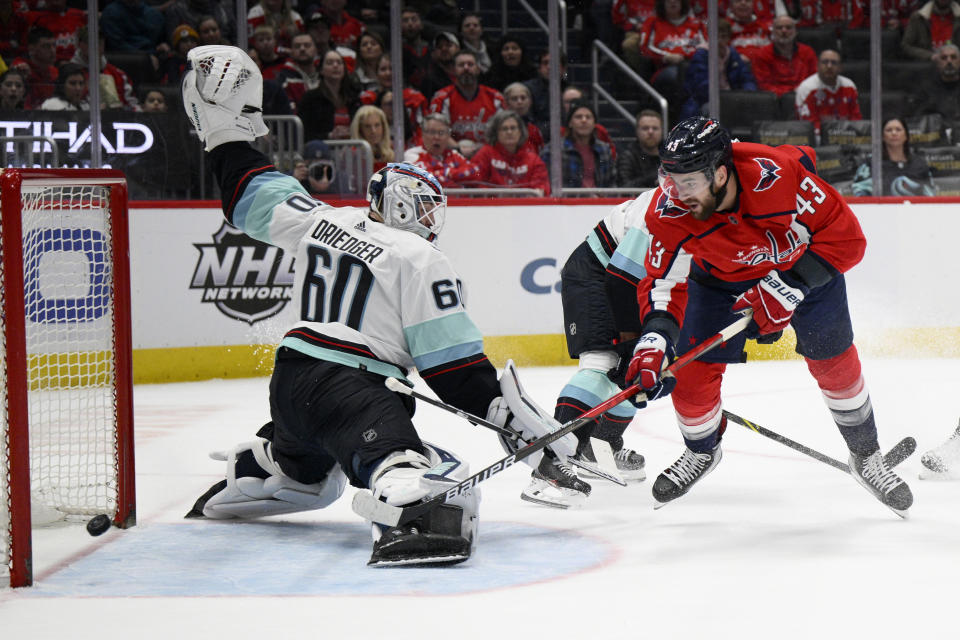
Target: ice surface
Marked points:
771	545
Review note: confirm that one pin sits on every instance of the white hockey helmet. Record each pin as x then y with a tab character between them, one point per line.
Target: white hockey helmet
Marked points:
409	198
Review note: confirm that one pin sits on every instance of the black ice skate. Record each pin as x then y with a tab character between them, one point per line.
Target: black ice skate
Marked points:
677	479
409	545
630	464
555	484
886	486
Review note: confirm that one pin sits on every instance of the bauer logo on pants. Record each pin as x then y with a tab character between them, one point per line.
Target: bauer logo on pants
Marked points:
246	279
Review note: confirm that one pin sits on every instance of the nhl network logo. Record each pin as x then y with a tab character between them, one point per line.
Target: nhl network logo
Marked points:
246	279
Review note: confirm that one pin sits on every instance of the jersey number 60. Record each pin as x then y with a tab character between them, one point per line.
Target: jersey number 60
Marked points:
351	281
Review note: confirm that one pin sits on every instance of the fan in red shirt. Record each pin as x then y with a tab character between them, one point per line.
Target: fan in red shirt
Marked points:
345	30
742	227
827	95
63	23
447	165
467	103
506	161
38	65
784	63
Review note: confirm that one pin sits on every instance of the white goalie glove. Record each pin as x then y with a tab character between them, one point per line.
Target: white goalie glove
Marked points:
516	410
223	95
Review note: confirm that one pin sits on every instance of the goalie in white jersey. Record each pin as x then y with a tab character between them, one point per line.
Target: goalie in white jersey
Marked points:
375	298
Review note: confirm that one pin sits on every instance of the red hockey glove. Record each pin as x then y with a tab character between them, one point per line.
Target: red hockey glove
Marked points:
652	353
773	301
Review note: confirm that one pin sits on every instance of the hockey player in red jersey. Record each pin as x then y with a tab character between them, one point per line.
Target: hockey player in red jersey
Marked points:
740	227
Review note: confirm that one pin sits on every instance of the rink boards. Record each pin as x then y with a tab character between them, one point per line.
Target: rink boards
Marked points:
210	303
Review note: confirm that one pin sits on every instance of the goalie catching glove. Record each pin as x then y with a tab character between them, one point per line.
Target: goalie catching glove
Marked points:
515	410
773	300
222	95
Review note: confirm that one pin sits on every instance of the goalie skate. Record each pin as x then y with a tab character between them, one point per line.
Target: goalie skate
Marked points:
413	544
943	462
630	464
555	484
886	486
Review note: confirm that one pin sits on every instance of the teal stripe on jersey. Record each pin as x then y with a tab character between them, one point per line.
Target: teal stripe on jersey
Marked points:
597	246
631	252
591	387
358	362
441	340
254	210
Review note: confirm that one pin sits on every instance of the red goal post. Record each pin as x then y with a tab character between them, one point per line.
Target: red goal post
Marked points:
66	450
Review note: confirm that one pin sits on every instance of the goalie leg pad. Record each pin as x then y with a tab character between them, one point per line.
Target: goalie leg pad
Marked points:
445	535
530	420
265	494
222	95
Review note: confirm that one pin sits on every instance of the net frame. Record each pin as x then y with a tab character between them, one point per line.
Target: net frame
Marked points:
15	489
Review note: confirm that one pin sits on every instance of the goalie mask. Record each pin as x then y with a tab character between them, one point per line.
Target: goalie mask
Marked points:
409	198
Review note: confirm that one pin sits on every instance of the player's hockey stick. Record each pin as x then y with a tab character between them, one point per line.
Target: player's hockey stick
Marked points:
900	451
370	508
395	385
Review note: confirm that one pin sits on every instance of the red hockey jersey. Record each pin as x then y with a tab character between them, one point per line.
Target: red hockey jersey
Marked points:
467	117
782	211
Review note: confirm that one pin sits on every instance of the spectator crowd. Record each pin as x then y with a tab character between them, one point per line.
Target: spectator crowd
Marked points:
475	101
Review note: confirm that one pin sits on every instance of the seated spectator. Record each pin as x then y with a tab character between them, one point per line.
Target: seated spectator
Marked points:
370	124
506	161
209	31
629	16
154	102
572	95
467	104
510	64
447	164
827	95
70	91
278	14
13	90
518	99
416	50
930	27
903	173
669	39
940	93
587	161
638	166
471	39
734	72
440	70
749	33
369	50
301	72
39	66
414	102
177	12
183	39
116	88
133	25
265	51
13	30
784	63
63	22
326	111
896	14
539	87
345	30
841	14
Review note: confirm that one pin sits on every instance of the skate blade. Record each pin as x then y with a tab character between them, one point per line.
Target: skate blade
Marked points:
563	501
903	513
420	562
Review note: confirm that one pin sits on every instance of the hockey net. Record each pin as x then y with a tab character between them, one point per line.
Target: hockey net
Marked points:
66	415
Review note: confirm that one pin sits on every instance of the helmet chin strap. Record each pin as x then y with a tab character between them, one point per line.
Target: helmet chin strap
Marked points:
721	193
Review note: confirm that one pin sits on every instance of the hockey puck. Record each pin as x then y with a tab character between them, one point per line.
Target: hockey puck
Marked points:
98	524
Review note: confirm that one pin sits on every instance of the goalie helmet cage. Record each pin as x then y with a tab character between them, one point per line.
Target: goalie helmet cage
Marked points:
67	410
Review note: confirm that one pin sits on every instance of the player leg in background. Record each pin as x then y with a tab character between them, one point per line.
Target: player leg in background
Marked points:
590	334
331	419
825	340
943	462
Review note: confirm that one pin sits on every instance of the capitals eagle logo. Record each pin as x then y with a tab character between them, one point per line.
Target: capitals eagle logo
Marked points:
667	208
769	173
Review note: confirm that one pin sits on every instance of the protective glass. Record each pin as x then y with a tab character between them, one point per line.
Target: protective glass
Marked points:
680	186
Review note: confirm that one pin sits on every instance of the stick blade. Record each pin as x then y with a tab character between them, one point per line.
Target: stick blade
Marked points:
900	451
369	508
605	466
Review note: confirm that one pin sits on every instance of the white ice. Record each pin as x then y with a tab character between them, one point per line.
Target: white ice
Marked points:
771	545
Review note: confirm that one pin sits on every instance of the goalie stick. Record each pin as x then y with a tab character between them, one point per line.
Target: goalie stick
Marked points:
370	508
900	451
397	386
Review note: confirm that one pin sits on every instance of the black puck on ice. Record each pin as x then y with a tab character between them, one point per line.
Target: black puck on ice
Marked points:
98	524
